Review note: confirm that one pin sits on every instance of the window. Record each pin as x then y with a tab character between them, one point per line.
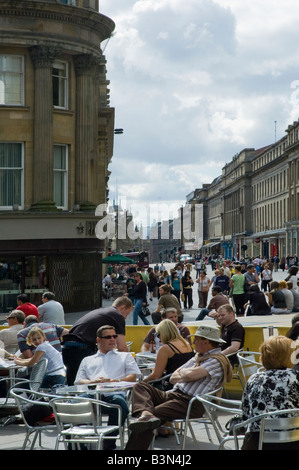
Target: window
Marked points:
60	85
11	80
60	176
11	175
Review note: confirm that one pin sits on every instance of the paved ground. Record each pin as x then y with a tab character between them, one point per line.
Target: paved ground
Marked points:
12	436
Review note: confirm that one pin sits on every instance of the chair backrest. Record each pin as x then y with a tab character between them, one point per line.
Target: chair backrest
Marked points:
248	363
22	398
279	427
73	412
37	374
215	406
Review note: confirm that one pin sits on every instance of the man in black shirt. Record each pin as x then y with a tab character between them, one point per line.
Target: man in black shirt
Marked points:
232	332
81	339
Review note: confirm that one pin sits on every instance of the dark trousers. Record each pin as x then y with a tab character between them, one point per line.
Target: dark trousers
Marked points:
239	301
251	442
164	405
72	357
188	298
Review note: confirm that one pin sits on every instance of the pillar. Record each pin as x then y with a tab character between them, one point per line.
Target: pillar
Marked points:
42	58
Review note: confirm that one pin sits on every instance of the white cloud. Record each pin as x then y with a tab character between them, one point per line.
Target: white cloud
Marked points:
196	83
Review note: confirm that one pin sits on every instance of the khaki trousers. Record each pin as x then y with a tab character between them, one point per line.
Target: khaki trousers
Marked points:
164	405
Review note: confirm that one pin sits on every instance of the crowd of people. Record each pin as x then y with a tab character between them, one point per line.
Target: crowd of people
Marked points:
94	350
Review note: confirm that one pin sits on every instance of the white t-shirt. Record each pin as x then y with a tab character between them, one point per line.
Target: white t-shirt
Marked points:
54	359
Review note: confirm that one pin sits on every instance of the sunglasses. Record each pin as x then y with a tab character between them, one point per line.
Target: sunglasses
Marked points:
109	337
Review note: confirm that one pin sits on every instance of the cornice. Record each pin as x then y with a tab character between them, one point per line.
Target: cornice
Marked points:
60	13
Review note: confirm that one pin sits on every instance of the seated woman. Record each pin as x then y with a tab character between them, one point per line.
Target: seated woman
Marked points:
55	373
174	352
257	302
274	389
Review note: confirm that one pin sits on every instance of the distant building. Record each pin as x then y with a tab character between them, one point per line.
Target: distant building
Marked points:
56	141
252	208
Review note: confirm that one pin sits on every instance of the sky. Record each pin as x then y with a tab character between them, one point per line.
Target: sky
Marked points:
193	83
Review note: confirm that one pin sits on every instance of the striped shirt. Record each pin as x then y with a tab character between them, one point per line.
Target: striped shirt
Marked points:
212	381
52	332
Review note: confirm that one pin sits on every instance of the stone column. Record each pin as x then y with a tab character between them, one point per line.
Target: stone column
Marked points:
86	67
42	59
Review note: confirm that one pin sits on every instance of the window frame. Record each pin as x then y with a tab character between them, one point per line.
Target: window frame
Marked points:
21	205
22	80
57	64
63	171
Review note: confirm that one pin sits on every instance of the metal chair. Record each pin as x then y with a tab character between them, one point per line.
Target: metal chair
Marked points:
24	397
77	423
275	427
236	368
180	426
8	406
214	406
249	364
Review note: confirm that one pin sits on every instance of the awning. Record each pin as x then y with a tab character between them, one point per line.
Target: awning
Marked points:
117	259
209	245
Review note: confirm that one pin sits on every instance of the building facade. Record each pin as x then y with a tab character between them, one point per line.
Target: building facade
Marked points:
252	208
56	141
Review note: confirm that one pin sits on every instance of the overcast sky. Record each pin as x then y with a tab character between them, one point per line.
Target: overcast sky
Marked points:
193	83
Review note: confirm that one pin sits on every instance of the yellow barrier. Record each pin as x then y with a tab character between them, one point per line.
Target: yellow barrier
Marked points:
254	337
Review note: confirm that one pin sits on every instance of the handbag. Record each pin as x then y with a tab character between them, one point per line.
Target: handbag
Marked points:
145	311
183	297
231	423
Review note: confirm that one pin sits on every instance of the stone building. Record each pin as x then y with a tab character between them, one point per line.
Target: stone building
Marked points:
252	208
56	141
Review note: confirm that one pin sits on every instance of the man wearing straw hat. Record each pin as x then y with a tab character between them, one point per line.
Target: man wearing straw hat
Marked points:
207	371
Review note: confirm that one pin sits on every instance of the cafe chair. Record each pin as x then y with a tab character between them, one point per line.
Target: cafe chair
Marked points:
181	426
25	401
8	406
276	427
77	422
214	408
249	364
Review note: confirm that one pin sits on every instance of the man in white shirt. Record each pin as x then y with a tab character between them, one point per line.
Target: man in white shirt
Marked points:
109	365
51	311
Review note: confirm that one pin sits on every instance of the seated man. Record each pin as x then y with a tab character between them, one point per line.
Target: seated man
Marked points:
232	332
9	336
218	298
207	371
26	307
53	334
109	365
152	342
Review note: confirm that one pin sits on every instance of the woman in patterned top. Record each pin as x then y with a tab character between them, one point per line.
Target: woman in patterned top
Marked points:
275	388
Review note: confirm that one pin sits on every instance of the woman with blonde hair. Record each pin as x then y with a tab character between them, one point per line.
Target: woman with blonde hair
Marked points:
55	373
173	353
275	388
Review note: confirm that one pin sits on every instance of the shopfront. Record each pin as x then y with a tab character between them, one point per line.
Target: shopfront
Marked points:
73	275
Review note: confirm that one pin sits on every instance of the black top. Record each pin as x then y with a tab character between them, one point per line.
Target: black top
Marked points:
258	303
278	298
178	359
85	329
139	291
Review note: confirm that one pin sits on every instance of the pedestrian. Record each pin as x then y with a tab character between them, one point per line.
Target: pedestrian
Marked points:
139	295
